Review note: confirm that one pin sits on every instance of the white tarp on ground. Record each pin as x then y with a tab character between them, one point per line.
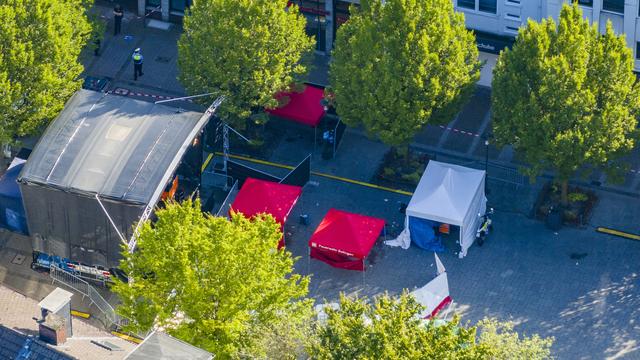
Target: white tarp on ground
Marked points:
434	296
449	194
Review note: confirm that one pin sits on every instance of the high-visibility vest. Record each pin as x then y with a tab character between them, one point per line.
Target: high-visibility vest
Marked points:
137	58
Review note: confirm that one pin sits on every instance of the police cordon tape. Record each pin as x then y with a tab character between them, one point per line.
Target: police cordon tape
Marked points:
328	176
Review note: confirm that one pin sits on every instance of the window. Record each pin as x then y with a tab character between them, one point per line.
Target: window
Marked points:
585	3
613	5
513	2
489	6
467	4
638	50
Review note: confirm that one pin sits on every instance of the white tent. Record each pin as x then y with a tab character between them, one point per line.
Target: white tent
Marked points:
449	194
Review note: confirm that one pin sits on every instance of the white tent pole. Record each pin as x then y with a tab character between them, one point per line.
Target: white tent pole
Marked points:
461	237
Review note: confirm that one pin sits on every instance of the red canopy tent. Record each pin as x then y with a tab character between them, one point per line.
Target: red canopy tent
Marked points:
260	196
345	239
303	107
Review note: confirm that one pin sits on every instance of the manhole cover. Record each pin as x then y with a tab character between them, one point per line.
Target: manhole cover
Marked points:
578	256
163	59
18	259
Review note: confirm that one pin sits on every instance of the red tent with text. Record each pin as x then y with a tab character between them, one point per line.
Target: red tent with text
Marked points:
260	196
344	239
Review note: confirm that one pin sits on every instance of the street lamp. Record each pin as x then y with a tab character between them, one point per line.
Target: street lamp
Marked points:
486	162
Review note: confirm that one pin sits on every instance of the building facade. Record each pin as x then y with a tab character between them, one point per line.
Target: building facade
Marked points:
501	19
496	22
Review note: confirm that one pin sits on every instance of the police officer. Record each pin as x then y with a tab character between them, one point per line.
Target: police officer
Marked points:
118	13
137	63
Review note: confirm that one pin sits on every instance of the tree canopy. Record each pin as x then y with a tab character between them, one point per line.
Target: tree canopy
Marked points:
390	328
565	95
401	64
248	50
220	285
40	42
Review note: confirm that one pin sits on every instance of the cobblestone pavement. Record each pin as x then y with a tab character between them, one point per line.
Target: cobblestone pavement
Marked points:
17	312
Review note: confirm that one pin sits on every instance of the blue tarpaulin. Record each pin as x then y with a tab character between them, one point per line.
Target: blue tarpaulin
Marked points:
424	235
12	215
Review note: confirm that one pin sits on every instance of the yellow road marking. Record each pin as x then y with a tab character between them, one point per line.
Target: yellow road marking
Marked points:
81	314
328	176
124	336
618	233
206	162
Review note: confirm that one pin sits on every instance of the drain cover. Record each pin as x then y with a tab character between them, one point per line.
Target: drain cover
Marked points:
18	259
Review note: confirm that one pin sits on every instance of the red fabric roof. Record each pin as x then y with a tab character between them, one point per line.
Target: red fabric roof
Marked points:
346	234
260	196
303	107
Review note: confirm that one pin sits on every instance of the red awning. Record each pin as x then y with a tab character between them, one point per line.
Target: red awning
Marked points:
345	239
260	196
303	107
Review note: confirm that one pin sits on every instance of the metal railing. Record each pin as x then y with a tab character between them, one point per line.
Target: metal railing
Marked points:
105	308
226	204
70	280
85	289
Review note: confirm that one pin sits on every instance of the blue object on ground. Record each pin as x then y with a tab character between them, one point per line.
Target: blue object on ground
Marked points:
423	234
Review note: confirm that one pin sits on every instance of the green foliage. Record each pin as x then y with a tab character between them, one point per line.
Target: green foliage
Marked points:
401	64
220	285
577	196
565	95
40	42
506	344
392	329
247	50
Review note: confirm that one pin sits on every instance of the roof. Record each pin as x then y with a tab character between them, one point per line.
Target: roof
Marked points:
56	300
14	345
113	146
260	196
303	107
445	192
160	346
347	233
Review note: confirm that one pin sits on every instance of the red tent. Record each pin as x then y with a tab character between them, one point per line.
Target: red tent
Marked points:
260	196
345	239
303	107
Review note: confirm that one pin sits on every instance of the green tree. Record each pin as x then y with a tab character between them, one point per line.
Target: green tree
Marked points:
220	285
565	96
506	344
401	64
40	42
392	329
248	50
